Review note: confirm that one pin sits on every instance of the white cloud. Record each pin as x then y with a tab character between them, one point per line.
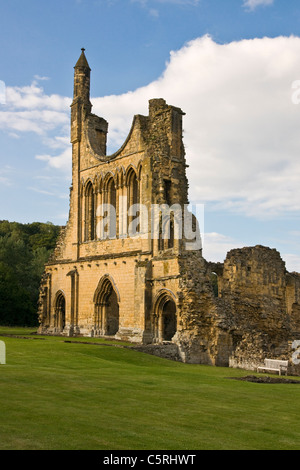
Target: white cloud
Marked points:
6	175
2	92
176	2
241	127
38	77
30	109
292	262
41	191
34	97
37	121
180	2
63	161
252	4
153	12
216	246
5	181
147	4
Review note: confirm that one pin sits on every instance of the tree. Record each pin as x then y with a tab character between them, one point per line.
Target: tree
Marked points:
24	250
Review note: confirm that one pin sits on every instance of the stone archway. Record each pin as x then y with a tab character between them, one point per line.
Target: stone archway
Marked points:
106	301
60	311
169	320
164	323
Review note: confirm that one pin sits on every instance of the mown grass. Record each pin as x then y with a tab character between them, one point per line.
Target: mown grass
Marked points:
67	396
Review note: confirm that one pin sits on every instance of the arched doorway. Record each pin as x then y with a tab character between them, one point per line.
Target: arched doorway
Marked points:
169	321
60	311
106	302
164	317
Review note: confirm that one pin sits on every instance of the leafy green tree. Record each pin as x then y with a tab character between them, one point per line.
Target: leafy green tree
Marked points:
16	306
24	250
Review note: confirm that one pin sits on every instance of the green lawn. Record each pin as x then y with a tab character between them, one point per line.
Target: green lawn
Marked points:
58	395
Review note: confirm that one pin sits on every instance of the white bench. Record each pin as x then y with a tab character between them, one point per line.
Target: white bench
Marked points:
274	365
2	353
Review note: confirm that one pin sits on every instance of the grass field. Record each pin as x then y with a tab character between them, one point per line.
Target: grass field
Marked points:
75	396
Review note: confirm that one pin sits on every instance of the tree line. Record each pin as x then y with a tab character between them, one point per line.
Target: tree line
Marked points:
24	250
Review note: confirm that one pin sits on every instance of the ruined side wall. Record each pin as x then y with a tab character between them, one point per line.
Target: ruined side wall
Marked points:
203	329
293	302
254	285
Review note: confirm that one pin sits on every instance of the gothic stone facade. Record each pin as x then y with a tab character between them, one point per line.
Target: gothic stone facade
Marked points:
150	290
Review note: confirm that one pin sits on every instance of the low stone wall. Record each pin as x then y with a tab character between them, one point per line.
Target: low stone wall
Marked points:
166	350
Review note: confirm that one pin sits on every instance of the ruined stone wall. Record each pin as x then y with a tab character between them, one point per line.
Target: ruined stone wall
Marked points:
203	326
165	292
253	285
293	302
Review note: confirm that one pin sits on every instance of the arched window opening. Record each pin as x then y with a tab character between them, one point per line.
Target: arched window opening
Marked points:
215	284
166	230
110	227
160	234
132	200
133	189
89	213
167	192
171	231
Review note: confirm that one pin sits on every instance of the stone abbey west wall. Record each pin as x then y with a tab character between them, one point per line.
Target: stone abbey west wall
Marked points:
86	267
153	292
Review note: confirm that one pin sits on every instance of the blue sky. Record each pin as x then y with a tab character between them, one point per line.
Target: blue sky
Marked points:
230	65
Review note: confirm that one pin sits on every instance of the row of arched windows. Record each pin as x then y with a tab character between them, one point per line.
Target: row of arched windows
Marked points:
100	208
110	211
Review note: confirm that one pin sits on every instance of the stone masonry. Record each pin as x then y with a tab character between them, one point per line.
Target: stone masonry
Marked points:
110	277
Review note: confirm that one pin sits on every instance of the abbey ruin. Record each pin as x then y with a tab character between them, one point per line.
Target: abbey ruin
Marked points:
112	276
